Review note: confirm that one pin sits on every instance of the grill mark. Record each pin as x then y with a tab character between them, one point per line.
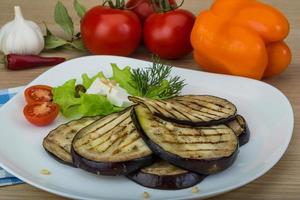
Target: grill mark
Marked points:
148	106
113	142
206	106
131	131
105	133
117	149
164	110
186	116
204	113
117	140
223	107
111	121
211	100
196	116
112	127
182	142
124	127
202	107
93	124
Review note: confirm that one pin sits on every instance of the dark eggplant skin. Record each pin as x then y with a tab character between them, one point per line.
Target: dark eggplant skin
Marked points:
113	168
60	160
170	182
198	166
244	136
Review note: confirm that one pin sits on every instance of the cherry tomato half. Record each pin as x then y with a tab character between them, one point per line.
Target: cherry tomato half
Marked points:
168	34
110	31
41	113
38	93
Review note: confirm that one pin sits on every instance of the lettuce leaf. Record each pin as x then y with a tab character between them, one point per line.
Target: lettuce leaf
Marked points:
93	104
86	104
124	78
64	96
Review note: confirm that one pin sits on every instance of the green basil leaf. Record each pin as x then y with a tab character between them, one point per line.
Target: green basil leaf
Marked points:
62	18
78	44
80	9
53	42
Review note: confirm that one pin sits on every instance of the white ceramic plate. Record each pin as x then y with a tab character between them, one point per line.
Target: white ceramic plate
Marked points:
267	111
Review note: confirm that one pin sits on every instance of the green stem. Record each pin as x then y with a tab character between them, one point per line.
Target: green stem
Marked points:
163	6
166	5
119	4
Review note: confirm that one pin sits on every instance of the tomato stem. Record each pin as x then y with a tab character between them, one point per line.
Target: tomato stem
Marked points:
119	4
163	6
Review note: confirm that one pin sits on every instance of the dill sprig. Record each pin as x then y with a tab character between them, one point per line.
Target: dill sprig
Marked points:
156	82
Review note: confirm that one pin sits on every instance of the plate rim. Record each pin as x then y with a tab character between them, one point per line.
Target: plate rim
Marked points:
268	167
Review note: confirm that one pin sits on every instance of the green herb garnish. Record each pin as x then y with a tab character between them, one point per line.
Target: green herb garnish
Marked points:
155	82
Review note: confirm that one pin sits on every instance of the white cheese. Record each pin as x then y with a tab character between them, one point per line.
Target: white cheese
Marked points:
115	94
98	87
118	96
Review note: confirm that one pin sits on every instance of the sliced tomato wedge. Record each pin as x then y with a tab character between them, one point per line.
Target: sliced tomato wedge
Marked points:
38	93
41	113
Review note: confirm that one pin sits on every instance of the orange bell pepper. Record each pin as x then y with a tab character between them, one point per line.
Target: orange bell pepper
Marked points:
241	37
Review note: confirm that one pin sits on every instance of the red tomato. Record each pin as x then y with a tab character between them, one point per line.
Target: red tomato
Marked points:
143	8
41	113
168	34
110	31
38	93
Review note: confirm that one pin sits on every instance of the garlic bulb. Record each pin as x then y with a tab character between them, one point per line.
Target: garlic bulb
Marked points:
21	36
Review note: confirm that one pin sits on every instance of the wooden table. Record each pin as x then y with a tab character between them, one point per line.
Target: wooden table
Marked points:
281	182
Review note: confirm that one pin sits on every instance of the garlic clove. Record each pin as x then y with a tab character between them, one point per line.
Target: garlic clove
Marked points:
21	36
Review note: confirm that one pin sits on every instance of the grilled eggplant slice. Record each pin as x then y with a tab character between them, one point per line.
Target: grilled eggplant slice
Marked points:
240	128
196	110
165	176
58	142
111	146
203	150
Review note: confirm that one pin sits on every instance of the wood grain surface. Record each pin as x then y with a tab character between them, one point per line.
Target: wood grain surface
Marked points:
281	182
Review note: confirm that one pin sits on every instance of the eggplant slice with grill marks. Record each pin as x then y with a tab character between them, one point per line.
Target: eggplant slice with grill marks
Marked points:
203	150
111	146
165	176
195	110
58	142
240	128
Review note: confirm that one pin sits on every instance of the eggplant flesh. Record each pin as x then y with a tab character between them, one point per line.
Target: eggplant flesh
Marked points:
165	176
203	150
240	128
195	110
111	146
58	142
